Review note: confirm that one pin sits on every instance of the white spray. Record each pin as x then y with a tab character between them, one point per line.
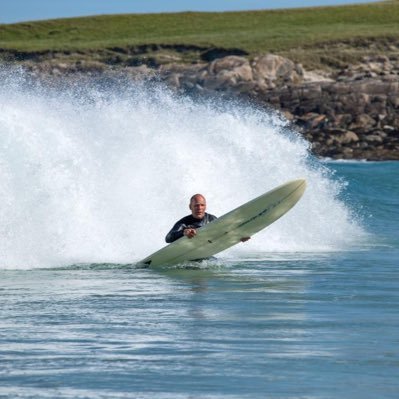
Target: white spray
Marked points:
101	174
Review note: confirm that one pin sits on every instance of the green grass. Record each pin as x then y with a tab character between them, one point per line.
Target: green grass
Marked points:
311	33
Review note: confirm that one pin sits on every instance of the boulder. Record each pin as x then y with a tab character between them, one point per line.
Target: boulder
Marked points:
348	137
270	70
232	65
364	122
316	76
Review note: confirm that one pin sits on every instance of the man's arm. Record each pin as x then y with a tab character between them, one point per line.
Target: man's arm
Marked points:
184	227
175	233
180	229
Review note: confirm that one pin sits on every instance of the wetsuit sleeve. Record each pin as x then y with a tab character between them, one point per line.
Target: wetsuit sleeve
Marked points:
176	232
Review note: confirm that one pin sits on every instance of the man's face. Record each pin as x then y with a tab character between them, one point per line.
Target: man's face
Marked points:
198	207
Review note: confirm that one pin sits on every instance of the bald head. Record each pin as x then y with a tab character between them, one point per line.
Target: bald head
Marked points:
198	206
197	197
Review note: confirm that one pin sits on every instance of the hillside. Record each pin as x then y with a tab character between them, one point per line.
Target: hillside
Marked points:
323	37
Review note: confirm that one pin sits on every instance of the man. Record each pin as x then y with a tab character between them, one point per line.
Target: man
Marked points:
188	225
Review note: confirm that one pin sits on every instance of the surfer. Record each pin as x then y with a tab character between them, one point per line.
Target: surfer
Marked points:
188	225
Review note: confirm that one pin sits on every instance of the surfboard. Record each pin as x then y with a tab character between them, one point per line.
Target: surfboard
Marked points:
226	231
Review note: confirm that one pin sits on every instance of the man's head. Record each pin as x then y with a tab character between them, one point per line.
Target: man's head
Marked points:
198	206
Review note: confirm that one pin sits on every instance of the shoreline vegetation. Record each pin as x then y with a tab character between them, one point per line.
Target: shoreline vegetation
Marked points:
333	72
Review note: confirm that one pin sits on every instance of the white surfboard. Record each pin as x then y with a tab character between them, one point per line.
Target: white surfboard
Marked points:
228	230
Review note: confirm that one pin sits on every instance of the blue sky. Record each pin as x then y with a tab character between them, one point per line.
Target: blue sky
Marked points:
27	10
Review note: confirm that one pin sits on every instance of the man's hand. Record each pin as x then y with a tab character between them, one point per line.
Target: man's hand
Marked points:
190	233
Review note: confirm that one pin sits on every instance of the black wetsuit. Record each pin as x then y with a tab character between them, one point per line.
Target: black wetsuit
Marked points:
188	222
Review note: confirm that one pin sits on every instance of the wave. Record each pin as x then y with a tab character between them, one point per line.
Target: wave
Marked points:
97	172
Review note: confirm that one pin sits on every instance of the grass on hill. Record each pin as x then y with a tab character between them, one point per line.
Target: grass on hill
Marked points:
313	36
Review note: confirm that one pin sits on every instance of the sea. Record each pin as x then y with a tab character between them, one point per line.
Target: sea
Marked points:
94	172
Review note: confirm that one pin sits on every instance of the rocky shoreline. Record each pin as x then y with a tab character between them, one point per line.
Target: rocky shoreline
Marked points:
350	113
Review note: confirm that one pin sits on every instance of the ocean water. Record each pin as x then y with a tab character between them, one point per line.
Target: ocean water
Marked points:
93	175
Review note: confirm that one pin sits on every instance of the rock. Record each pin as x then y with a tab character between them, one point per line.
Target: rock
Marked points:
348	152
316	76
388	128
226	63
348	137
343	120
375	138
313	120
270	69
394	100
230	73
288	115
363	121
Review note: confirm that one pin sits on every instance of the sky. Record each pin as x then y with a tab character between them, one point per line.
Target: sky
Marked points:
28	10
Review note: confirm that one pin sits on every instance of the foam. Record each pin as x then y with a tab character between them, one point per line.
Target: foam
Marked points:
96	173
